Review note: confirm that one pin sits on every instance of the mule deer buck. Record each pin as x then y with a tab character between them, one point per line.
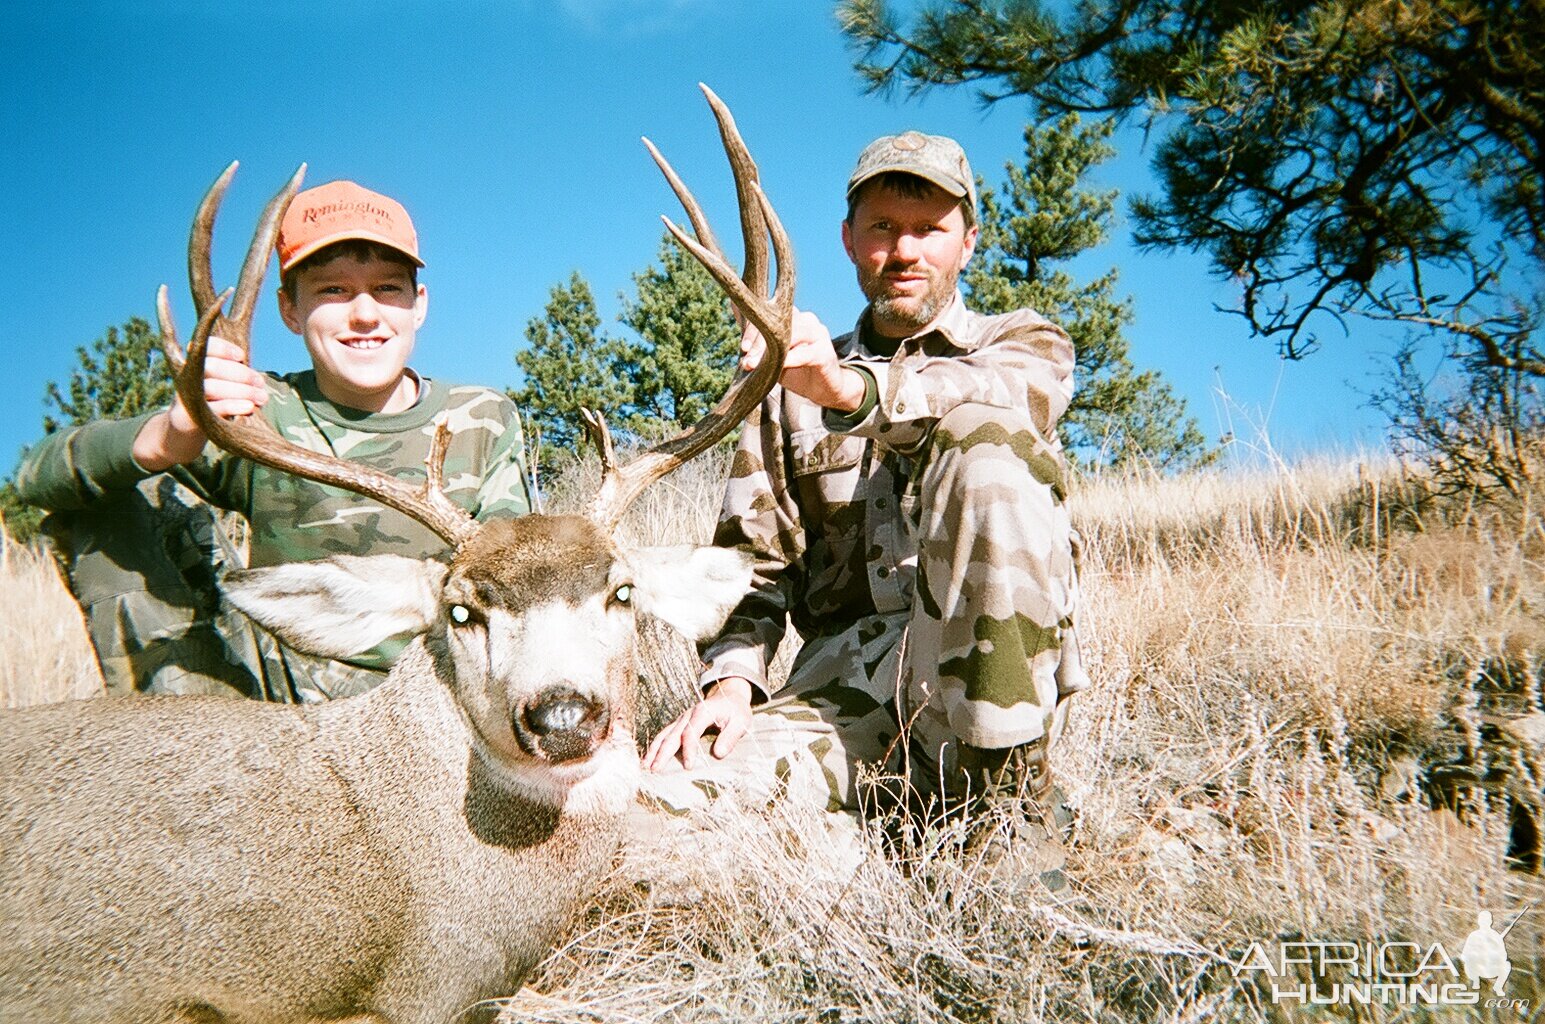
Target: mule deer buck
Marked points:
401	856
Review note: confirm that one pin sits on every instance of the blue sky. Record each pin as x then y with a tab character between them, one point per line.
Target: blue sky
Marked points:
510	128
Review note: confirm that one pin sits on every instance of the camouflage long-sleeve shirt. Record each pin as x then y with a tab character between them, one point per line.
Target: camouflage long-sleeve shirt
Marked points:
296	520
823	500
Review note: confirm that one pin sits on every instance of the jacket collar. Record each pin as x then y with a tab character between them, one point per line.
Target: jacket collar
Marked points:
953	325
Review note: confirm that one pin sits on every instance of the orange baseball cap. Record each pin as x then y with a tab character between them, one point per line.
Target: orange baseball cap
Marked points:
342	210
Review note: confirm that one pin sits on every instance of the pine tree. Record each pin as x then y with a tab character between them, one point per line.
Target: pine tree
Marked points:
1330	158
1042	216
122	374
689	342
569	365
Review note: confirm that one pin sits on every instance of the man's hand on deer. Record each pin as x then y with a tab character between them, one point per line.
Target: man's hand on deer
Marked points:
726	707
811	368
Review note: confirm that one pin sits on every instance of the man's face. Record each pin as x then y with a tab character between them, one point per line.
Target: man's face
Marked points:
359	320
909	253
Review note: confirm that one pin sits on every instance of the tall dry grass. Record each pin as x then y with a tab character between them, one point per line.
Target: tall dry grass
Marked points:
1293	734
1287	662
44	655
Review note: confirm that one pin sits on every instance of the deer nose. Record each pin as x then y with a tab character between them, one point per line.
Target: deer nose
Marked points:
562	724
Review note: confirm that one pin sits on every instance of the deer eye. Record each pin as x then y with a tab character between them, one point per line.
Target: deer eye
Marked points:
461	614
623	594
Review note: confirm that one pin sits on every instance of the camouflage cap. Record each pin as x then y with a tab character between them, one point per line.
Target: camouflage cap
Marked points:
935	158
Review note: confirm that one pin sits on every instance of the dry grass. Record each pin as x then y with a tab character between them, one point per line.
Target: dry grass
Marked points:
1293	668
1283	659
44	655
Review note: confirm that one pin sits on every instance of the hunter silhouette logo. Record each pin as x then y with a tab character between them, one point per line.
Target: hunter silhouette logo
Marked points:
1484	955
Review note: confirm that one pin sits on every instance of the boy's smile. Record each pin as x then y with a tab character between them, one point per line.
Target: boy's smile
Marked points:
359	320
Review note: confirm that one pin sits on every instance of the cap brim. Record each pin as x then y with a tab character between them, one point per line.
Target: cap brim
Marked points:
948	184
349	234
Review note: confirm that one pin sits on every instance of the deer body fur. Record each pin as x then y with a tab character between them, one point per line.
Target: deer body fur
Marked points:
399	856
354	856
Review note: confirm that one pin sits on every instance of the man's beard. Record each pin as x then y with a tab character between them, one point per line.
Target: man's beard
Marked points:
907	312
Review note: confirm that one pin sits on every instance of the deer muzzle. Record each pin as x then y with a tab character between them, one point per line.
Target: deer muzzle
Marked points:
561	725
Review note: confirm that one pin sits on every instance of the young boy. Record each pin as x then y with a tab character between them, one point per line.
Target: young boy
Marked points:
131	499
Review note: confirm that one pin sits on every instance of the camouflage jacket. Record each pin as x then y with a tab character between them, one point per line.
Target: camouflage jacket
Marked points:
296	520
825	502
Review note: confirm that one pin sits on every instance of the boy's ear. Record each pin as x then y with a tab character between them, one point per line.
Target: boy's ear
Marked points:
287	311
420	307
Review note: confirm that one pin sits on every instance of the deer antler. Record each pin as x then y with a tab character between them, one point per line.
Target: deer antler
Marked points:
251	436
771	315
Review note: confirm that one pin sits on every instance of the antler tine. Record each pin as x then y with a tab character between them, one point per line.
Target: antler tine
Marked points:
783	252
753	307
256	264
753	224
201	277
595	426
236	326
251	436
688	200
621	485
169	346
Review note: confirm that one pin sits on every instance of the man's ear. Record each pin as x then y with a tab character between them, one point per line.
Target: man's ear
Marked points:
847	241
969	245
340	606
288	313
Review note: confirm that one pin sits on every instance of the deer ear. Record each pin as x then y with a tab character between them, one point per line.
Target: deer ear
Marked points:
340	606
693	589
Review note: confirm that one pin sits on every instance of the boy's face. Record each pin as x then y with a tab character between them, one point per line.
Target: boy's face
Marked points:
359	320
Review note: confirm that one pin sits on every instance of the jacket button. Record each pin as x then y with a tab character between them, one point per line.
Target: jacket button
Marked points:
882	572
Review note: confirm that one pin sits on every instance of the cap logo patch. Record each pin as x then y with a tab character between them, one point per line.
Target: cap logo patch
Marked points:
364	209
910	142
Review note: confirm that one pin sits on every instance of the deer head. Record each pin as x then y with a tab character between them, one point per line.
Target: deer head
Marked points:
531	625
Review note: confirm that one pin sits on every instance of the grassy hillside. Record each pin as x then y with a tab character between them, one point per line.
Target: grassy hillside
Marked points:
1317	716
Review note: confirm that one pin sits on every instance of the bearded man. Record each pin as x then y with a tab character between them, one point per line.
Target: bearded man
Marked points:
903	492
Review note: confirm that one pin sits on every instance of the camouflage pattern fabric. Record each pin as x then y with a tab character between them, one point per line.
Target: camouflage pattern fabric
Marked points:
144	552
924	555
809	743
